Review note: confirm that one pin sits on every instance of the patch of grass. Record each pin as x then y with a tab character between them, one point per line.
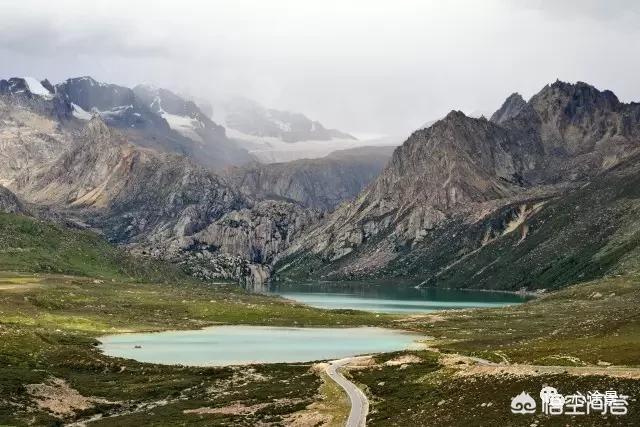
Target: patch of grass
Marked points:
30	245
426	394
583	324
334	403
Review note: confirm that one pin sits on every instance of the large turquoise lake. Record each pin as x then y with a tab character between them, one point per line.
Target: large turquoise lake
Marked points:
389	297
237	345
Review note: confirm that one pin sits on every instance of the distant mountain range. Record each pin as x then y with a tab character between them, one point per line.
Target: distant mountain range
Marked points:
250	118
136	165
154	118
542	195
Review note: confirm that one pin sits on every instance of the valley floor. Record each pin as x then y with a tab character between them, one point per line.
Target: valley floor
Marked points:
583	338
51	371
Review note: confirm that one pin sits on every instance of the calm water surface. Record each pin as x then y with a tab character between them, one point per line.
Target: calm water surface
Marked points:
391	297
234	345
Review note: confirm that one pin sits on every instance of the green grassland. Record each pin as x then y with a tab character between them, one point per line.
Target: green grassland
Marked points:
430	394
582	324
61	288
31	245
49	325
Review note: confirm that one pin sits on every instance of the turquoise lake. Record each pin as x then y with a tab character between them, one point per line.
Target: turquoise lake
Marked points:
391	297
237	345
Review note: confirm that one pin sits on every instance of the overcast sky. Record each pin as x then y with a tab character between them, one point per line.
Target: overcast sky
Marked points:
361	66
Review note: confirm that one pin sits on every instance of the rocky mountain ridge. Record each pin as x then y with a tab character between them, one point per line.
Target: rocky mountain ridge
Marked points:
149	117
446	183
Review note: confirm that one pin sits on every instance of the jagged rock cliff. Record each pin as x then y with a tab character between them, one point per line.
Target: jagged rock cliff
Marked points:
511	107
27	139
245	241
449	185
318	183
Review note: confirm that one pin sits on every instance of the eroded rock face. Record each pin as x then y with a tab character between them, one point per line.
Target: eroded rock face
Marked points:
27	139
213	266
130	193
258	233
462	170
509	109
319	183
164	206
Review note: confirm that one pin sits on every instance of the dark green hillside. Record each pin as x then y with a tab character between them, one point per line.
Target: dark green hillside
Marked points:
30	245
585	234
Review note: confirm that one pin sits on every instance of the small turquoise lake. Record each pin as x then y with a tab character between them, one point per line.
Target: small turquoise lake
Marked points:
238	345
391	297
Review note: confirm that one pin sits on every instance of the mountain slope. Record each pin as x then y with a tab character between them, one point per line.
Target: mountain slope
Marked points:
454	188
155	203
154	118
31	245
9	203
318	183
134	193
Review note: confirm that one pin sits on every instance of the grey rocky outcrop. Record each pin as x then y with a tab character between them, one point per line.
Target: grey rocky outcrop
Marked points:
509	109
9	202
318	183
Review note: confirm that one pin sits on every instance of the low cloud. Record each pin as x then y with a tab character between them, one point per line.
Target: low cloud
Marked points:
361	66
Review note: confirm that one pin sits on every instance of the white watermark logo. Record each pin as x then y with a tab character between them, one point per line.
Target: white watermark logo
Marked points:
523	404
554	403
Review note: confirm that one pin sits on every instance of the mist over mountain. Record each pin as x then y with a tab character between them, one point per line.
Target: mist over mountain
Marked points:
251	118
140	114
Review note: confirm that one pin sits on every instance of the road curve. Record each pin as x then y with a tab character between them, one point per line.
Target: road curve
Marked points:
359	401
